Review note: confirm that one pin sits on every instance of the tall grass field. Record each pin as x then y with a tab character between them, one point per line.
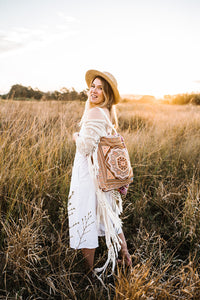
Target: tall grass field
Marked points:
161	213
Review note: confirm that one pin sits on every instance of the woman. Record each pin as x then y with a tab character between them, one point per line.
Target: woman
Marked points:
92	212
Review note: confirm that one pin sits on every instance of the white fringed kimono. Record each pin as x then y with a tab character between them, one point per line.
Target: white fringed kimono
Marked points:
91	211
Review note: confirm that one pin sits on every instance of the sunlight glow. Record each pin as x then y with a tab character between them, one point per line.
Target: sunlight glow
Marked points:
151	48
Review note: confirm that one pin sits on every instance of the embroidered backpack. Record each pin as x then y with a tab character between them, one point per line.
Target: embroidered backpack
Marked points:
115	171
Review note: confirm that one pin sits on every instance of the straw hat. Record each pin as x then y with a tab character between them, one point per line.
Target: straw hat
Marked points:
92	74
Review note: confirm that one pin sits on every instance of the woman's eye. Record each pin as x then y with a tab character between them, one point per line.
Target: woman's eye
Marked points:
93	87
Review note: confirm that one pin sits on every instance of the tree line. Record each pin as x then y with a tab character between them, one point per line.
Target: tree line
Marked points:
181	99
20	92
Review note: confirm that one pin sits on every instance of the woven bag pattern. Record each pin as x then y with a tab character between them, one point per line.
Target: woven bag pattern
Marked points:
114	164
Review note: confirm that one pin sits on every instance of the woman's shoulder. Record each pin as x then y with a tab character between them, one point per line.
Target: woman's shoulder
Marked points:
97	113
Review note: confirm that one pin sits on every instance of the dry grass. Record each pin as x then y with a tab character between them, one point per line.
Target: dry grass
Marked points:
161	212
144	283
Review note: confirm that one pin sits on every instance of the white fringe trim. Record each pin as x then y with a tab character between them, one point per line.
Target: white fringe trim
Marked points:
108	215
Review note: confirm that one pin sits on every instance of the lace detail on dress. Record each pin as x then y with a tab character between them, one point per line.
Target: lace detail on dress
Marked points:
90	134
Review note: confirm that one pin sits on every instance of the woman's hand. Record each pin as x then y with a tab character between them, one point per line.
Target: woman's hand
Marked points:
75	135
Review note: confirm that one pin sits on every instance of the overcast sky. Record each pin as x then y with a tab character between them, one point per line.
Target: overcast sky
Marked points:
150	46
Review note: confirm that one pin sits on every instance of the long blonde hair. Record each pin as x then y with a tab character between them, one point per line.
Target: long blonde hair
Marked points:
108	100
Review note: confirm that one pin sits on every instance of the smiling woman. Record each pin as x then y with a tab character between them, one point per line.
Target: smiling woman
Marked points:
92	211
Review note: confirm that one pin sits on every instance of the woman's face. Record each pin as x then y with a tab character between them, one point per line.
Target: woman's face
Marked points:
96	92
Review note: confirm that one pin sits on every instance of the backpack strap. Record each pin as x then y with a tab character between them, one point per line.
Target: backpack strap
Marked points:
107	119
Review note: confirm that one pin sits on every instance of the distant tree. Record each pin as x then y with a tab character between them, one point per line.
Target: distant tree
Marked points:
37	95
71	95
182	99
65	94
17	91
20	91
29	92
83	95
74	94
195	99
4	97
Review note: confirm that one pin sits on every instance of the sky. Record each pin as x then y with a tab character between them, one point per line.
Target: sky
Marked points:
151	46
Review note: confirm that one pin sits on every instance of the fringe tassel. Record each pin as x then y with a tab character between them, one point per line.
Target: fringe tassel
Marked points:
113	244
109	216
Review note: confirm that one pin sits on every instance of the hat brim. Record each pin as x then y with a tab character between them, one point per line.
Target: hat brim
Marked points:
92	74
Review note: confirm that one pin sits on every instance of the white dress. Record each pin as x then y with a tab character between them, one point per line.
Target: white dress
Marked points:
84	227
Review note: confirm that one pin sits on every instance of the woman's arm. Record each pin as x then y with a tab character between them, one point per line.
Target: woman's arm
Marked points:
93	128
